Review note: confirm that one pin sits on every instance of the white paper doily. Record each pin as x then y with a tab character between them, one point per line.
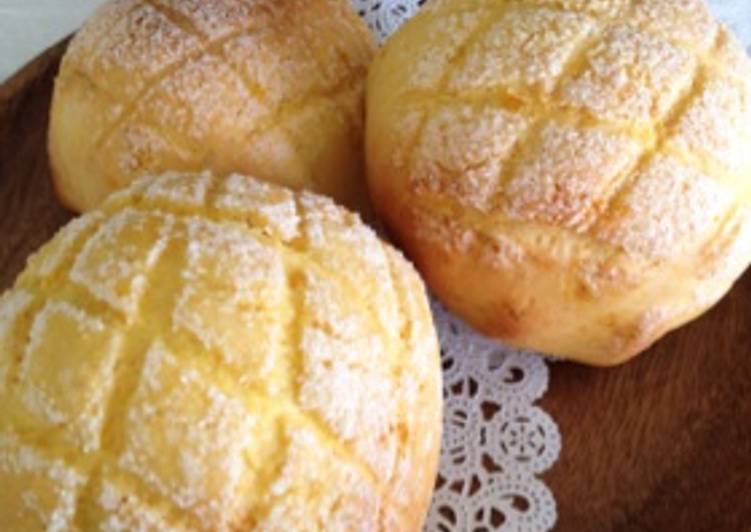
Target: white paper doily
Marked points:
495	440
385	16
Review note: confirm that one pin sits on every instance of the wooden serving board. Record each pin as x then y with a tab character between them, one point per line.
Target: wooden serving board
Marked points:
662	443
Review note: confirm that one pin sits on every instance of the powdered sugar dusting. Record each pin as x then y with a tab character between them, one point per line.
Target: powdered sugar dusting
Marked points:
202	100
727	254
606	8
524	50
337	383
140	45
13	304
275	59
125	512
343	500
417	385
231	295
670	211
631	76
136	146
462	151
566	180
688	23
196	460
268	206
61	248
180	188
213	18
325	310
342	243
89	37
429	62
43	493
120	280
69	392
716	125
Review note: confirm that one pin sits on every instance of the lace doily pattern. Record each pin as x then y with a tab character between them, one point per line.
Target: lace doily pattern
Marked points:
385	16
495	440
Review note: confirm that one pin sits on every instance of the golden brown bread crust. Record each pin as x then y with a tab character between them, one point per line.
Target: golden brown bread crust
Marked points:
217	354
272	88
568	176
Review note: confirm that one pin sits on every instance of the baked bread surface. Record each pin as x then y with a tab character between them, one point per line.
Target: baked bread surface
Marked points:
569	176
270	88
217	354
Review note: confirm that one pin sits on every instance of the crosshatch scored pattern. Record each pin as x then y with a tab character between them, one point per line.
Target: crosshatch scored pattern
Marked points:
145	60
576	146
235	326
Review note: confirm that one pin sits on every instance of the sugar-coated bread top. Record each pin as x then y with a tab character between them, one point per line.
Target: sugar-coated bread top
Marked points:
271	88
217	354
571	176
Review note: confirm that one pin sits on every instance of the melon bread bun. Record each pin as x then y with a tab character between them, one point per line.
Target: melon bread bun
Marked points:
217	354
570	176
269	88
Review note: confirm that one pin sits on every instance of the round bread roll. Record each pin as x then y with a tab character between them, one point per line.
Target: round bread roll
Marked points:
270	88
217	354
569	176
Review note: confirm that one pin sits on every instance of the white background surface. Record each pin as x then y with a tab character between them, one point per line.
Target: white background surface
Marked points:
29	26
